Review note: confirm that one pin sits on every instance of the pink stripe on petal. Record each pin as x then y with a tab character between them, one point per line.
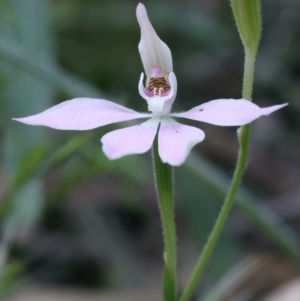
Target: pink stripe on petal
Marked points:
228	112
136	139
176	140
154	52
82	114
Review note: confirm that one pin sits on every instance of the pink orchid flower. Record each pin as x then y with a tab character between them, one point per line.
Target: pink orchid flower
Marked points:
175	140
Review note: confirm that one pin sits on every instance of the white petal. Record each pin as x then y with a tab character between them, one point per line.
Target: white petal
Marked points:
175	141
82	114
136	139
157	104
153	51
228	112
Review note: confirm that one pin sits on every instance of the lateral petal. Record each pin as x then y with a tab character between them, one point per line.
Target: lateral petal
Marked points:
228	112
82	114
153	51
175	141
135	139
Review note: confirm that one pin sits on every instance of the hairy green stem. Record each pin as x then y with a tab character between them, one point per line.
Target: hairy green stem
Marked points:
164	186
243	135
248	75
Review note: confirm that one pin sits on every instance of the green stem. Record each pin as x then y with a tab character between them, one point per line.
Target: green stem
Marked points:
248	74
258	214
243	136
164	186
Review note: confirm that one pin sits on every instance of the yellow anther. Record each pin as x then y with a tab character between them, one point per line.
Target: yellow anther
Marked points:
160	91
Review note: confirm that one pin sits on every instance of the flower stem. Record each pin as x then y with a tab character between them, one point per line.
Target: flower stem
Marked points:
164	186
243	136
248	74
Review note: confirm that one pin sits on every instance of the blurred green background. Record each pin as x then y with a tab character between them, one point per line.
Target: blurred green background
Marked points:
75	225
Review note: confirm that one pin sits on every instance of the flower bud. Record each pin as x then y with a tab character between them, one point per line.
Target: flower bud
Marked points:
247	14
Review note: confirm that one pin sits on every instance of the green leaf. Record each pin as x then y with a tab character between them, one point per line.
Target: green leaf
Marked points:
30	162
8	276
168	284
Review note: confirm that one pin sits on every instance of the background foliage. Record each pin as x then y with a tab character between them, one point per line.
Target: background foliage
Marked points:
72	219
